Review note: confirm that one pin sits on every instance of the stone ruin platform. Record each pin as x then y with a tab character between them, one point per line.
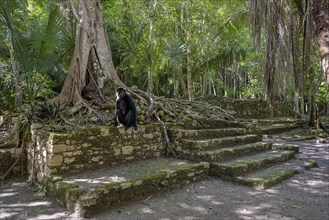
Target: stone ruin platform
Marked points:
97	168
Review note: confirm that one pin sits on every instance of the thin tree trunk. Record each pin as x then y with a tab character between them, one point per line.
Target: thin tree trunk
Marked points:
188	56
182	84
149	48
18	91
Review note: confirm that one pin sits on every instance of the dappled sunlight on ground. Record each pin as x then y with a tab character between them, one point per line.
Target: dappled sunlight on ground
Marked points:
303	196
18	200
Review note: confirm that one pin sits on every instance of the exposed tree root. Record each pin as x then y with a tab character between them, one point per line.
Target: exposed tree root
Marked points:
19	158
2	178
152	111
13	138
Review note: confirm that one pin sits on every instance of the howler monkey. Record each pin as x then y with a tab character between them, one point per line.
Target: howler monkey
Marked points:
125	110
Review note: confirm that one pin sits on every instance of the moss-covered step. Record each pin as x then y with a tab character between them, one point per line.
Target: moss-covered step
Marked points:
197	133
276	120
298	134
206	122
284	146
278	128
227	153
90	192
247	164
215	143
269	177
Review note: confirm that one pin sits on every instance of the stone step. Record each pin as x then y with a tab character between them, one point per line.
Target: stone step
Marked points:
244	165
285	146
298	134
215	143
197	133
92	191
202	123
278	128
269	177
278	120
229	152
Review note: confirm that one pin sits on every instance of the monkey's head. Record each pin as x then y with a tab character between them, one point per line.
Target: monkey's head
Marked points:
121	92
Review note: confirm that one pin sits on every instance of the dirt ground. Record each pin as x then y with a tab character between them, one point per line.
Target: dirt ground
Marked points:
304	196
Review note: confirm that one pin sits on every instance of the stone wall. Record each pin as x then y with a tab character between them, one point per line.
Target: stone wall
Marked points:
90	148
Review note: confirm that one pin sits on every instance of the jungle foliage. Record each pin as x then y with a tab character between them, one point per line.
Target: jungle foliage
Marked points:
223	45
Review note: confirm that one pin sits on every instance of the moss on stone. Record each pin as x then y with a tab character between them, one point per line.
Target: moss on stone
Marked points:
55	178
75	193
108	188
64	186
270	179
310	164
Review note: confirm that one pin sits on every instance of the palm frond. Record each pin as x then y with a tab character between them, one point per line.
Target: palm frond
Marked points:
176	50
45	38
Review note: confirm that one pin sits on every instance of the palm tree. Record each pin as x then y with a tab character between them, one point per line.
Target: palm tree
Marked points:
33	47
175	53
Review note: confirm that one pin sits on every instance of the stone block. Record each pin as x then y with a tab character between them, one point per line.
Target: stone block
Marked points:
57	148
77	153
97	159
148	136
85	145
68	154
55	160
117	152
69	160
127	150
105	131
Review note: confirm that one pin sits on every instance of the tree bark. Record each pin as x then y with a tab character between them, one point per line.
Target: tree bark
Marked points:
188	56
320	12
149	47
270	71
91	37
17	81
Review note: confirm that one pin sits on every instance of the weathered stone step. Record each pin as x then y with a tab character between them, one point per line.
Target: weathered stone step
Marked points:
197	133
93	191
285	146
273	121
202	123
215	143
230	152
269	177
278	128
244	165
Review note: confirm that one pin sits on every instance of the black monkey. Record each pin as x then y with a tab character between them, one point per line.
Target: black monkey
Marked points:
125	110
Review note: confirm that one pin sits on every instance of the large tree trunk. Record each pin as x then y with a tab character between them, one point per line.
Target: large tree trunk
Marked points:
92	61
270	72
320	11
320	15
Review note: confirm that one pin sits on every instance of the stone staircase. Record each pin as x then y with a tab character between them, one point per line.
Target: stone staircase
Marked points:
238	154
93	191
277	124
97	168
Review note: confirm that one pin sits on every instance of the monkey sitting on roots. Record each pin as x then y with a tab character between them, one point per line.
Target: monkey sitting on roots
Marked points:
125	110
